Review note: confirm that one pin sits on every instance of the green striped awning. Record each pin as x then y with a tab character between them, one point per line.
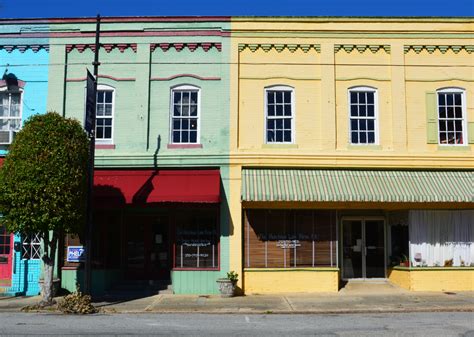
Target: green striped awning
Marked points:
357	185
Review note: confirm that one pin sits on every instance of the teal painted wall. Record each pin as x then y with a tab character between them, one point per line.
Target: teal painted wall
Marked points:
28	59
142	81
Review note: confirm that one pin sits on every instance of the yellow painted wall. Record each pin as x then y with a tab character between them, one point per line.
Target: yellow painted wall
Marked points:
446	279
400	278
267	281
321	79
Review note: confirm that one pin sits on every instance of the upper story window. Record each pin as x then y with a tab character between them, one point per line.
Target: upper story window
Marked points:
104	114
363	115
451	116
185	114
279	114
10	114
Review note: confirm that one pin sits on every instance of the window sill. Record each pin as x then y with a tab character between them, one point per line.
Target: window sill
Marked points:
454	147
196	269
279	146
316	269
105	146
184	146
364	147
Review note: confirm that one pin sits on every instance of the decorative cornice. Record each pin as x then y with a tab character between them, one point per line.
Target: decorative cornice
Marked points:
266	47
22	48
118	79
361	48
185	75
192	46
21	84
442	48
108	47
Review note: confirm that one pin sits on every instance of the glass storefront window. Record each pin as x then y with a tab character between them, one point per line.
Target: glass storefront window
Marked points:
197	240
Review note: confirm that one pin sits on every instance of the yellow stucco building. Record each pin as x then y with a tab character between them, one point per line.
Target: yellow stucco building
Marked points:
351	152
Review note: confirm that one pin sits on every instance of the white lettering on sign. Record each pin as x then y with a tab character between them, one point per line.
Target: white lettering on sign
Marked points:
288	243
196	255
196	244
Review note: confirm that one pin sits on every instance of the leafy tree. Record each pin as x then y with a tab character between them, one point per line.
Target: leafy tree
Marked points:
43	184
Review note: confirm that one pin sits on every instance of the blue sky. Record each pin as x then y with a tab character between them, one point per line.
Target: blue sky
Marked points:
75	8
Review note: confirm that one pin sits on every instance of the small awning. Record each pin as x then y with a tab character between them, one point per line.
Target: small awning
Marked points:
120	187
357	186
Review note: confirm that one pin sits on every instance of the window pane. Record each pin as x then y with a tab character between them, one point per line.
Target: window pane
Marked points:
287	123
354	138
361	97
363	137
271	110
371	125
270	123
287	97
108	110
177	110
185	124
370	97
99	132
450	112
279	123
108	97
457	99
442	138
442	112
458	125
442	125
184	136
108	122
193	136
177	97
194	97
441	99
193	124
354	112
450	125
449	99
287	109
193	110
354	125
279	110
270	136
371	137
362	111
459	139
108	133
287	135
458	112
176	124
279	136
185	110
185	97
100	110
100	96
270	97
354	97
176	137
370	111
362	124
279	96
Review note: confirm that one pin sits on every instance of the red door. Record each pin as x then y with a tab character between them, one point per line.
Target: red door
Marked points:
6	254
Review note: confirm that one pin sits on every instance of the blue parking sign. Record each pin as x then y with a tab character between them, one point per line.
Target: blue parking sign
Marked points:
75	254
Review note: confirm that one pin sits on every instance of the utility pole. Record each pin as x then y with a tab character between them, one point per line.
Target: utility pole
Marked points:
90	126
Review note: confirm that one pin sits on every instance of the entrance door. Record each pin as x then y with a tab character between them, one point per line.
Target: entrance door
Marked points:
147	248
363	248
6	256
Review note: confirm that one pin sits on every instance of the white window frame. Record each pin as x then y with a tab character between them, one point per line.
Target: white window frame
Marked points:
105	87
31	244
280	87
20	117
453	90
185	87
358	89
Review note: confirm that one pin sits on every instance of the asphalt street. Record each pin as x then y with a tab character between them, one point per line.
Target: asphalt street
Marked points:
406	324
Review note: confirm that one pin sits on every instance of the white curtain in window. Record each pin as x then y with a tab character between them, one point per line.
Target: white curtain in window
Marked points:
442	235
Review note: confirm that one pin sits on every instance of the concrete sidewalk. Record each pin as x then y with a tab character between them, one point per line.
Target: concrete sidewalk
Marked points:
342	302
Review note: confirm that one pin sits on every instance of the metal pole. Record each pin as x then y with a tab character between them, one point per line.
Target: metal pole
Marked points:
89	228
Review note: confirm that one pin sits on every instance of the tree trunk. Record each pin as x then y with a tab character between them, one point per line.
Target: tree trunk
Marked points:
48	263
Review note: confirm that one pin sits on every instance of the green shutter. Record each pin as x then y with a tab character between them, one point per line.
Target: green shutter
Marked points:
431	118
470	132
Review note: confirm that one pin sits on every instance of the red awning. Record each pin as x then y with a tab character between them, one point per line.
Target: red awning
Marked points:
1	161
120	187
